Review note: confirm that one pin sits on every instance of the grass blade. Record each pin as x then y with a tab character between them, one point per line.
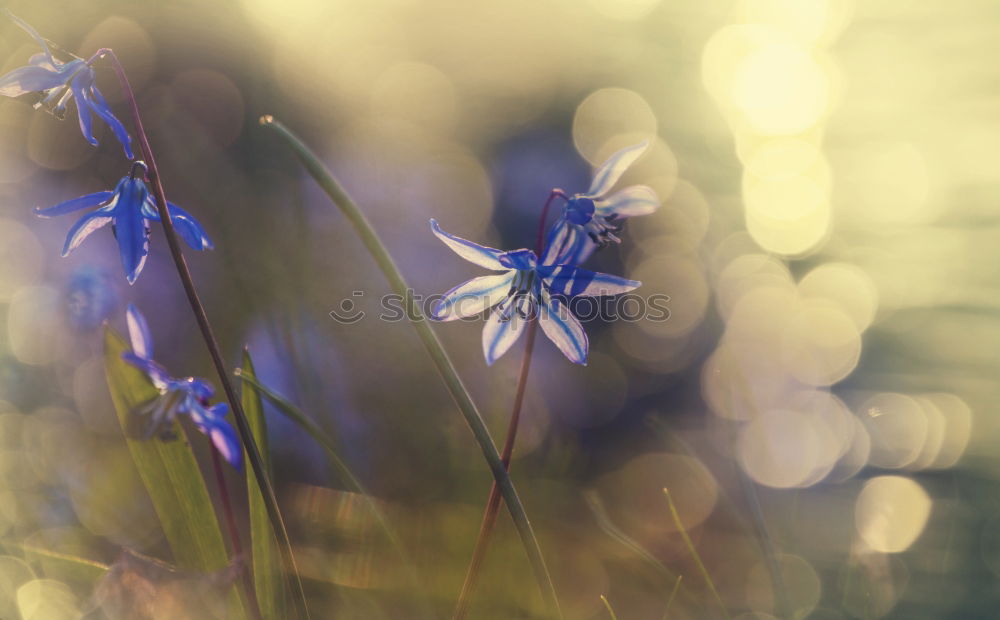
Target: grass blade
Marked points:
263	542
347	476
169	471
438	355
607	605
694	553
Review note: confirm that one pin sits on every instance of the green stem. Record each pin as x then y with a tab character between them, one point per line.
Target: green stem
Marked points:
242	424
312	429
434	348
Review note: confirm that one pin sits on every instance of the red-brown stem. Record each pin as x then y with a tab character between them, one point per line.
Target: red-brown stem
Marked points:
242	424
493	503
234	533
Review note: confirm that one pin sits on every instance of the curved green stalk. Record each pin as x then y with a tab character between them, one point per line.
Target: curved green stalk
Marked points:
434	348
306	423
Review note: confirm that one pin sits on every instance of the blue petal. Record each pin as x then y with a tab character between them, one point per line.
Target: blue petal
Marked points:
564	330
567	244
83	109
610	171
138	331
519	259
100	107
211	422
34	34
503	328
572	281
157	374
86	225
131	228
472	297
83	202
186	226
472	252
30	79
630	202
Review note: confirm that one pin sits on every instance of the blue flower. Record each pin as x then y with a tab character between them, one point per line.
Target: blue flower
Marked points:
56	83
524	285
188	396
593	219
129	209
90	297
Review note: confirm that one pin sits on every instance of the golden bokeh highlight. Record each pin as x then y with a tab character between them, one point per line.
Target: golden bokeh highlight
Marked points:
846	285
37	331
891	513
23	257
47	599
801	582
611	114
897	425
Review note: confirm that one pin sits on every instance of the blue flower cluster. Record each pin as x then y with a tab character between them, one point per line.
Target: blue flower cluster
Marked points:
528	283
129	209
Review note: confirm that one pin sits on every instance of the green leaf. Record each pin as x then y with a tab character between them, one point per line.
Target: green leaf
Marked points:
263	543
169	471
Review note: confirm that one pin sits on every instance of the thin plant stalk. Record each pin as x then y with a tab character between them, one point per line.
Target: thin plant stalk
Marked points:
234	532
313	430
493	503
673	595
607	605
444	365
242	425
694	553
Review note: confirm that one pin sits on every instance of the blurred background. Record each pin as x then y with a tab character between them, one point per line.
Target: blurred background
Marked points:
822	395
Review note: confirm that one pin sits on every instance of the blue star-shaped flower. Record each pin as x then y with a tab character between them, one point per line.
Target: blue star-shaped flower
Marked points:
57	82
129	209
524	285
593	219
188	396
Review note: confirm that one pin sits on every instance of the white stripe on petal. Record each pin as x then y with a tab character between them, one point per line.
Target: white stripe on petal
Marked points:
472	252
474	296
138	331
564	330
630	202
610	171
499	334
574	281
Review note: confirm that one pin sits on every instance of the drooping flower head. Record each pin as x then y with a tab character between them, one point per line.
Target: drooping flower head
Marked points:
129	209
55	83
188	396
593	219
524	287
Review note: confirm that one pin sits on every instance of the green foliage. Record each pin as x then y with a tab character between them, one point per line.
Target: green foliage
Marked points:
263	543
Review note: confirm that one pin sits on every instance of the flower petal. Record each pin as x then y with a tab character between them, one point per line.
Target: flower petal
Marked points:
138	331
34	34
30	79
83	109
472	297
186	226
572	281
157	374
131	227
630	202
500	333
83	202
566	245
100	107
211	421
472	252
564	330
86	225
610	171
